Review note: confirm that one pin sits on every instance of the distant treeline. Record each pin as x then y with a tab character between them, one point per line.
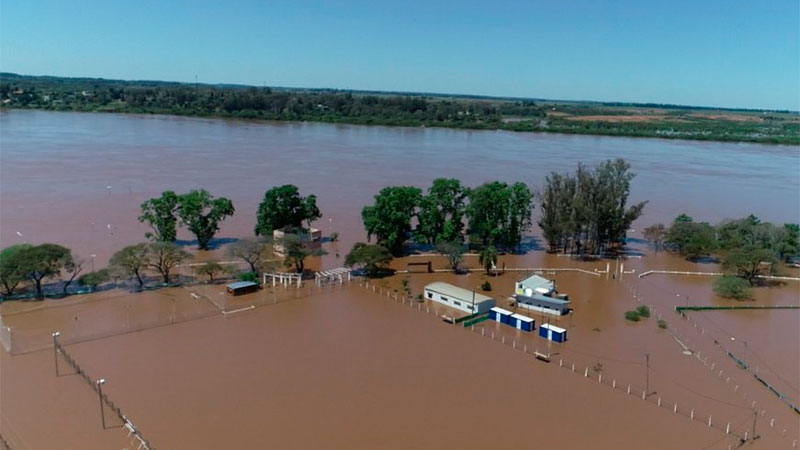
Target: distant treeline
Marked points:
378	108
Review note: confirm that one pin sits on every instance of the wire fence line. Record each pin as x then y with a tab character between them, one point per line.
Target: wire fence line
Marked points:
136	435
633	391
716	367
127	312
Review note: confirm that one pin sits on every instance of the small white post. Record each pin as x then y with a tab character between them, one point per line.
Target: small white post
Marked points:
560	362
691	416
644	395
629	389
772	423
614	384
586	372
600	378
728	428
709	421
573	367
675	408
659	401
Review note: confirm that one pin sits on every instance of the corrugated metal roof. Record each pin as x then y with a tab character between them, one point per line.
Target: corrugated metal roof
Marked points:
502	311
241	284
522	318
455	291
535	281
546	300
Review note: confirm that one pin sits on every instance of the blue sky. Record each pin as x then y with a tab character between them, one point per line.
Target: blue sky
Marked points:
716	53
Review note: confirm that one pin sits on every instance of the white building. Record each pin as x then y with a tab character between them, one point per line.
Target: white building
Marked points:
459	298
534	285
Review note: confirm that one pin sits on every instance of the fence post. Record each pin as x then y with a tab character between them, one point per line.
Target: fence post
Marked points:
709	421
586	372
55	349
675	409
691	415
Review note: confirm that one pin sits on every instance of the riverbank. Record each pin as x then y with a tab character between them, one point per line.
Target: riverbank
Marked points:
400	109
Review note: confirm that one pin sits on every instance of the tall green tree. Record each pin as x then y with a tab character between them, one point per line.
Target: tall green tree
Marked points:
12	267
389	219
373	258
165	257
519	214
161	214
44	261
282	207
441	212
788	245
691	239
487	213
131	261
202	213
749	262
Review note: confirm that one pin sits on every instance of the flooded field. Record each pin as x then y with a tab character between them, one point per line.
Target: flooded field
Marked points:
349	368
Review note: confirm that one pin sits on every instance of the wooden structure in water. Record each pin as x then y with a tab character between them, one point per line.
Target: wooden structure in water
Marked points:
427	264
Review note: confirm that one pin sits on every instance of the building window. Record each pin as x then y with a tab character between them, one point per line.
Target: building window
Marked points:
444	299
469	307
430	294
456	303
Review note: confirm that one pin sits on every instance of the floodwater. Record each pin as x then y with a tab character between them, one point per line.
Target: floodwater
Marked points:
347	366
78	179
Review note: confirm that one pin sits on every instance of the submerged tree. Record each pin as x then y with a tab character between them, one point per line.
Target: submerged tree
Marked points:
389	219
94	279
296	251
691	239
499	214
209	269
250	250
165	257
454	252
750	262
12	267
202	213
161	214
441	212
588	211
73	269
488	258
132	261
282	207
373	258
44	261
656	235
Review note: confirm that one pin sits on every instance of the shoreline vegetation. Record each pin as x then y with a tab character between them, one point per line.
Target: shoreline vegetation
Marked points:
585	214
399	109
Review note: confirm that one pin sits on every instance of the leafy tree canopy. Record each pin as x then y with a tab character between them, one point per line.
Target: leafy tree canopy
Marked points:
373	258
202	213
282	207
161	214
389	219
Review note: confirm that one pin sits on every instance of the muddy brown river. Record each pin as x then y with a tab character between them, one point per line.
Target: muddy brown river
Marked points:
348	369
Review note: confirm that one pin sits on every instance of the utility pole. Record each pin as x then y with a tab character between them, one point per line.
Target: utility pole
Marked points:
100	384
755	417
647	373
55	349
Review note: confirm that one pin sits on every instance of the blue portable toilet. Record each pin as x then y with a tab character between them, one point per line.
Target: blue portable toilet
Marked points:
521	322
500	315
552	332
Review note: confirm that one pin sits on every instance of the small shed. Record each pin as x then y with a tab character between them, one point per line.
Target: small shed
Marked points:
500	315
552	332
521	322
241	288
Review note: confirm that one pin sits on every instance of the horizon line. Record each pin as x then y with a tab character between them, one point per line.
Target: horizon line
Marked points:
4	74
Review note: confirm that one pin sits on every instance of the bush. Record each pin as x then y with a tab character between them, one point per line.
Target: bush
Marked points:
643	311
733	287
662	324
486	286
334	236
633	316
250	276
94	279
